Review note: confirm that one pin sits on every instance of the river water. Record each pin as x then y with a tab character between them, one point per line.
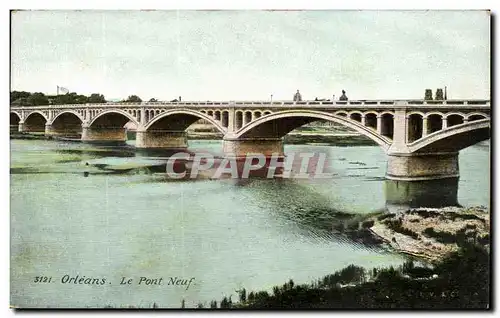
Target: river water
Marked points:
119	216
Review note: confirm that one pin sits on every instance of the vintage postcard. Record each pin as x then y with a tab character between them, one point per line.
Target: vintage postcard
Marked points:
250	159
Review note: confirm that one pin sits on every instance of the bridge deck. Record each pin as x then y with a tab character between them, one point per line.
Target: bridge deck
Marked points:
425	104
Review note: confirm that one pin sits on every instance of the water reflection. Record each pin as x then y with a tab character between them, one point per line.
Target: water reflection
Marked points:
402	195
199	165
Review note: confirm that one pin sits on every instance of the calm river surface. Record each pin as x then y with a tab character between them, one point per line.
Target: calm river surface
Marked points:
116	217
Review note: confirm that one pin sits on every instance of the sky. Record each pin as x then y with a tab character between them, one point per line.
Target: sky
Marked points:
251	55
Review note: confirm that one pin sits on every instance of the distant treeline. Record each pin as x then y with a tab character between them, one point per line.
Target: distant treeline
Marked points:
21	98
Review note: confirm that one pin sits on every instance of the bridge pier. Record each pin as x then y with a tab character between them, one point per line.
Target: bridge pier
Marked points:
243	147
71	131
52	131
429	193
104	135
49	130
161	139
419	167
21	127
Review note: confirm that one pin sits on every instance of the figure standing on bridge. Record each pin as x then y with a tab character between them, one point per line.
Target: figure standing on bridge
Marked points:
344	96
297	97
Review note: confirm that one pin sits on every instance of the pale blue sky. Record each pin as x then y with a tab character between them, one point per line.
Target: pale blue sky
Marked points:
236	55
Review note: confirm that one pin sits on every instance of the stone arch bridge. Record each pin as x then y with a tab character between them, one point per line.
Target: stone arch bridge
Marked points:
421	138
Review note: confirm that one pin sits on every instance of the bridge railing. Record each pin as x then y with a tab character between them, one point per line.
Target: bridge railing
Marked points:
291	104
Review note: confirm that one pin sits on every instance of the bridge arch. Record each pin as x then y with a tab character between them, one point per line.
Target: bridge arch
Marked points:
476	116
356	115
13	112
278	124
238	119
257	113
416	112
453	139
386	112
370	112
36	112
67	112
455	113
371	119
387	124
112	117
217	114
415	126
432	113
247	117
454	119
225	119
35	122
180	119
14	120
67	123
434	123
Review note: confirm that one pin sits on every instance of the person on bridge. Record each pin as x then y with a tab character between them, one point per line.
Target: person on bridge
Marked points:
297	97
343	97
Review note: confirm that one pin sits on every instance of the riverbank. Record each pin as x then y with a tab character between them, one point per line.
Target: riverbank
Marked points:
452	242
426	233
305	135
28	136
460	280
431	233
332	139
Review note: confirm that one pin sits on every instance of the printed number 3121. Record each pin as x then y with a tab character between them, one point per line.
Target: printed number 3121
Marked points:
43	279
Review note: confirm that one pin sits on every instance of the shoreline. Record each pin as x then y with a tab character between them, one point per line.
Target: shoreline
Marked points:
431	233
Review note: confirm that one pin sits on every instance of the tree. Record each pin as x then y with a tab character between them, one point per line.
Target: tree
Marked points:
243	295
153	100
96	99
37	99
23	101
133	99
70	98
16	95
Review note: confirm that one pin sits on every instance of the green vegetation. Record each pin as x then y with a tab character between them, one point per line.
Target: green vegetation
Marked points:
21	98
461	280
133	99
